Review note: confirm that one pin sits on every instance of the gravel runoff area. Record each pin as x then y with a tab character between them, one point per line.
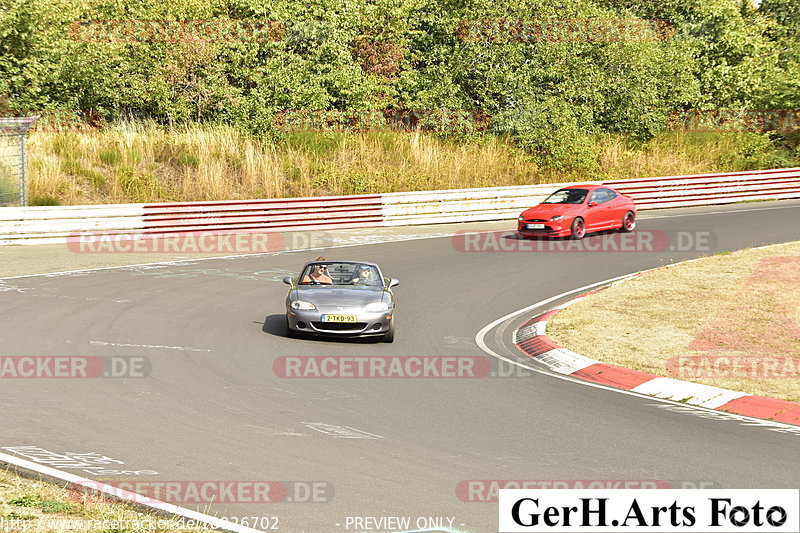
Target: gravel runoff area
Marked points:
731	320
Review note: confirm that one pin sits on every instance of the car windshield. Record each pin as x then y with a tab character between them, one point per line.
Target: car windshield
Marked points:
567	196
334	274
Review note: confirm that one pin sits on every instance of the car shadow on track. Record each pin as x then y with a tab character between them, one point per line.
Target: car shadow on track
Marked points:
275	325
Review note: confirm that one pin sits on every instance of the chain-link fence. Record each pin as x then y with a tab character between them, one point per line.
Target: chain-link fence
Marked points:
13	187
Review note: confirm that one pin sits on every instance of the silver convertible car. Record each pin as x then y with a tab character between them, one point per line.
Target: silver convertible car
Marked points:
344	298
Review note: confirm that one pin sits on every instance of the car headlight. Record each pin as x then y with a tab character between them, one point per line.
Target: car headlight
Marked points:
376	306
521	218
305	306
557	217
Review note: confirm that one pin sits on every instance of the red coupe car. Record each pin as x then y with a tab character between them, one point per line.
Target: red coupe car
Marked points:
576	210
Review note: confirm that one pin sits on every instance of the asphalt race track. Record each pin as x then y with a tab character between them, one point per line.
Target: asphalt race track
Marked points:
213	409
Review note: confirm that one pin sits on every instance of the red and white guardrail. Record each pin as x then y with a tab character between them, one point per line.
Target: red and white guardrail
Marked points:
34	225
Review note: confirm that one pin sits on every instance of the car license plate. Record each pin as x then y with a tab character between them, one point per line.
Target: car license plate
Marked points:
535	226
339	318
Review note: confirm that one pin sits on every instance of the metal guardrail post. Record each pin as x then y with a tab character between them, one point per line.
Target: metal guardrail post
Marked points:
23	183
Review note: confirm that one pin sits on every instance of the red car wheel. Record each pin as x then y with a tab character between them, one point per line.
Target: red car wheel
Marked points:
628	222
578	228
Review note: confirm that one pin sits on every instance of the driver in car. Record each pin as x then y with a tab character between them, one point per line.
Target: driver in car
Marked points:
318	274
364	275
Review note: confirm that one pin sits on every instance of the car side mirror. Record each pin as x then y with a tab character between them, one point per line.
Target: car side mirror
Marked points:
592	204
287	280
394	283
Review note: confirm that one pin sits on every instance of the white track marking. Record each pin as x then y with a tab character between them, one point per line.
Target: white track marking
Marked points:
82	482
479	337
10	288
720	212
155	346
722	415
686	408
340	432
460	343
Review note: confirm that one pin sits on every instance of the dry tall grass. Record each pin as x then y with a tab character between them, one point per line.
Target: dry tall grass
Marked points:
42	507
143	162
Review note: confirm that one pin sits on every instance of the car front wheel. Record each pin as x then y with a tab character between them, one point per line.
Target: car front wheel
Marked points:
578	229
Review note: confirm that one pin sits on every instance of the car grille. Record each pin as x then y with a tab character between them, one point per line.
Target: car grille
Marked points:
535	220
339	326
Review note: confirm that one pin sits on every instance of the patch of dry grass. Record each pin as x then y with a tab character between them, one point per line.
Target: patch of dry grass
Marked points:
141	162
144	162
743	305
41	507
678	153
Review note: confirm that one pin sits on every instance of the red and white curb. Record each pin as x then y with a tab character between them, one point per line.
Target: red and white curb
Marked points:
531	338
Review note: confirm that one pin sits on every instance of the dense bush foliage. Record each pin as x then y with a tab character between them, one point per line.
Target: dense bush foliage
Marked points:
550	96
